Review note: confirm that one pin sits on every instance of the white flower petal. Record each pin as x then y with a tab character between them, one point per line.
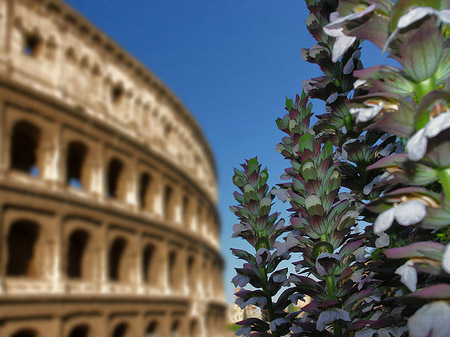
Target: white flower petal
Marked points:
410	212
359	83
343	42
369	113
408	275
417	145
349	66
384	221
332	98
446	259
414	15
335	29
444	15
337	21
382	241
438	124
430	320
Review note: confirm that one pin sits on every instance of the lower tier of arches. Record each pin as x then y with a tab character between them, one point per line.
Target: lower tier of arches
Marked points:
109	317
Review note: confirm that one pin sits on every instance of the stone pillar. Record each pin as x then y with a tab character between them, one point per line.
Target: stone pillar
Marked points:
139	264
98	171
50	154
132	188
57	258
104	281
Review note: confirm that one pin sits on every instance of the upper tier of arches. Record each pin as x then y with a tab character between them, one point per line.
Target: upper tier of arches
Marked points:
49	47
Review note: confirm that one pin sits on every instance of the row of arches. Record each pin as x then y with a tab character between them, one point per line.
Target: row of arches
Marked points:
125	263
79	169
91	80
122	329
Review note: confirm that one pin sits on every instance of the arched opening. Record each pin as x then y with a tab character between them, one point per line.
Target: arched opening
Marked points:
22	238
152	330
120	330
80	331
76	256
25	333
144	189
24	148
117	93
185	211
171	277
115	170
31	44
167	203
75	165
147	260
191	274
194	329
116	256
175	329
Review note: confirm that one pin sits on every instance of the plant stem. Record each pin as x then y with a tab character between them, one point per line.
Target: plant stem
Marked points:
337	329
330	285
270	312
444	179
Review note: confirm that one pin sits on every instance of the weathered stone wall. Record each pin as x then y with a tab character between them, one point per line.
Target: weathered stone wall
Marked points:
108	223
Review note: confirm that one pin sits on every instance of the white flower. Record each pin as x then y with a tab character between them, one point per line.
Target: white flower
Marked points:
408	275
415	15
359	83
432	320
331	315
365	114
417	144
382	241
406	213
336	29
446	259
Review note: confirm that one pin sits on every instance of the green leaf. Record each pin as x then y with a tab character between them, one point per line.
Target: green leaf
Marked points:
252	165
288	103
421	50
306	142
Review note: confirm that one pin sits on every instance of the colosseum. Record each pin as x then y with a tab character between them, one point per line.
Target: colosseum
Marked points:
108	189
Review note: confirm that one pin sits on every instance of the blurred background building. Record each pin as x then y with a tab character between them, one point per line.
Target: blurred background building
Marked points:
108	189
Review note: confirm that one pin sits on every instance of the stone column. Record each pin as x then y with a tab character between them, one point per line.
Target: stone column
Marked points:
98	171
50	154
139	264
132	185
56	258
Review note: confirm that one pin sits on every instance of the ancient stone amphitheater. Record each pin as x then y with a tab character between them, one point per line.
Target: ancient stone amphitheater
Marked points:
108	189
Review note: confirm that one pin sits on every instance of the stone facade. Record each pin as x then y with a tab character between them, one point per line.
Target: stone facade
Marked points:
108	189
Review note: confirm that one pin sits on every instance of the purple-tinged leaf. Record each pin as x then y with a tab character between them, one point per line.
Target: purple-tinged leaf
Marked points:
433	250
349	248
384	78
328	303
331	315
436	291
420	50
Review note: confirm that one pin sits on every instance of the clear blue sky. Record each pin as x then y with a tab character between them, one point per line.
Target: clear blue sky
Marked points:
232	63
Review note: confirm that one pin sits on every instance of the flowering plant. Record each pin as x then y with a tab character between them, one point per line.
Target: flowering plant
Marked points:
368	183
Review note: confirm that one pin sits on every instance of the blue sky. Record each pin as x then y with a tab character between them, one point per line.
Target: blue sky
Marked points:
232	63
